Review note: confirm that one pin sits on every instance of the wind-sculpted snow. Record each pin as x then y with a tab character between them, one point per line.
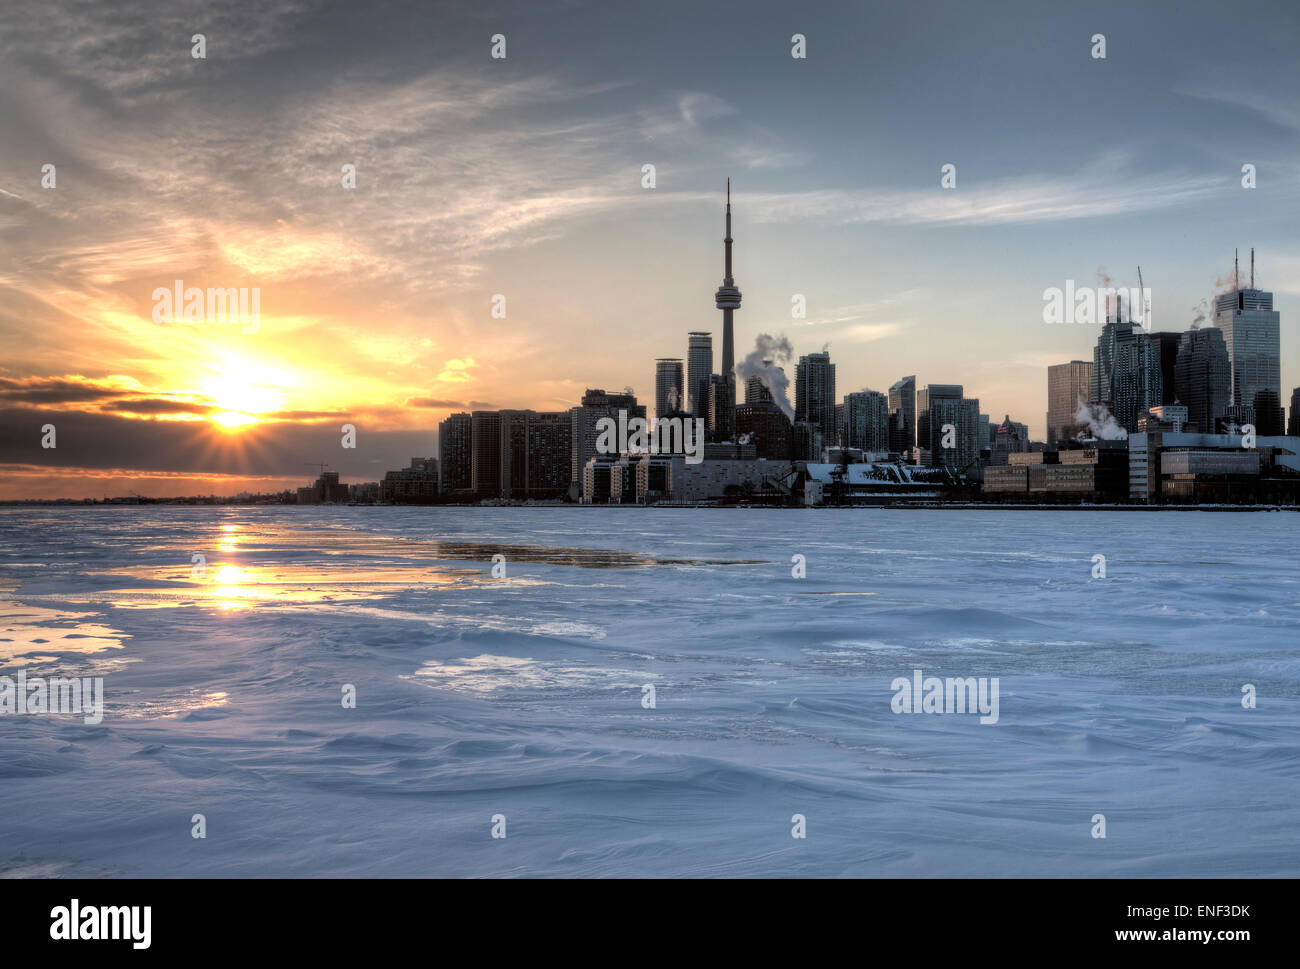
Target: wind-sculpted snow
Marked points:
522	694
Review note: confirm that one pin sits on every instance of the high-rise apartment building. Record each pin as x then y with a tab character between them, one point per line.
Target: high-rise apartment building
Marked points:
583	420
720	422
670	386
699	371
535	454
866	421
815	393
902	409
455	454
485	432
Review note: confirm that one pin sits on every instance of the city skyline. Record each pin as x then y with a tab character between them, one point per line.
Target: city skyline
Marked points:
510	457
377	301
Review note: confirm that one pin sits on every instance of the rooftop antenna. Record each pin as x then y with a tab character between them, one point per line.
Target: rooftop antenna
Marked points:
1235	270
1145	309
1252	267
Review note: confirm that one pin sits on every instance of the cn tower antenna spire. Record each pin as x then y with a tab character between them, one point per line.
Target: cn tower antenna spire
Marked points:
727	238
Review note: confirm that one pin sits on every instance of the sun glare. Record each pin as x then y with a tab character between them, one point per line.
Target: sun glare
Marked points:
240	401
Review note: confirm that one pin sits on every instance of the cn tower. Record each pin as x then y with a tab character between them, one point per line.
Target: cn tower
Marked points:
728	300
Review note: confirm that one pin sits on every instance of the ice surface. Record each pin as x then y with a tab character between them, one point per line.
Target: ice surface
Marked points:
522	696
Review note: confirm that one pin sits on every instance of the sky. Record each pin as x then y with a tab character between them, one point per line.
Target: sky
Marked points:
522	177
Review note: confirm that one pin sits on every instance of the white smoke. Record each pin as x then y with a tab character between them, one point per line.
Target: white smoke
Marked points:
1204	314
1099	421
1105	283
762	363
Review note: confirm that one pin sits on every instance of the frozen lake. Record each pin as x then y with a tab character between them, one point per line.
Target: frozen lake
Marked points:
522	696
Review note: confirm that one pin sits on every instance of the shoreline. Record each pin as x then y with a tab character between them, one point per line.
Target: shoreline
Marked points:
901	506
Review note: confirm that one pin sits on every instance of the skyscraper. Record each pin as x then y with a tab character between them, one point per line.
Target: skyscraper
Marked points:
485	431
866	421
814	393
727	299
699	368
1293	428
1113	333
669	386
1138	382
721	421
455	454
940	405
1203	378
1067	385
1252	330
902	406
924	398
1167	345
535	454
1126	375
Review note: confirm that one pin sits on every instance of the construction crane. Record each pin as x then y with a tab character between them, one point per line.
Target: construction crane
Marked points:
322	465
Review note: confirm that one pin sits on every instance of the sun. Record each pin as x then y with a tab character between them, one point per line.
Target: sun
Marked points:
239	401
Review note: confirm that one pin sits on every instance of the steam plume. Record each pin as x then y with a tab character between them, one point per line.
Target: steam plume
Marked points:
761	362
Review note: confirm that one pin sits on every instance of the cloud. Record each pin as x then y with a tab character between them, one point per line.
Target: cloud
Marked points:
868	332
1091	193
700	108
457	371
1272	105
137	51
63	390
436	402
158	405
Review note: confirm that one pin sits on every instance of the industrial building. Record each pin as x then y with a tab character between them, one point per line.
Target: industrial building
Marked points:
1170	466
1097	473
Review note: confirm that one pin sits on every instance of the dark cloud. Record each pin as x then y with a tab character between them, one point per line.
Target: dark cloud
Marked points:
158	405
106	441
305	415
53	390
